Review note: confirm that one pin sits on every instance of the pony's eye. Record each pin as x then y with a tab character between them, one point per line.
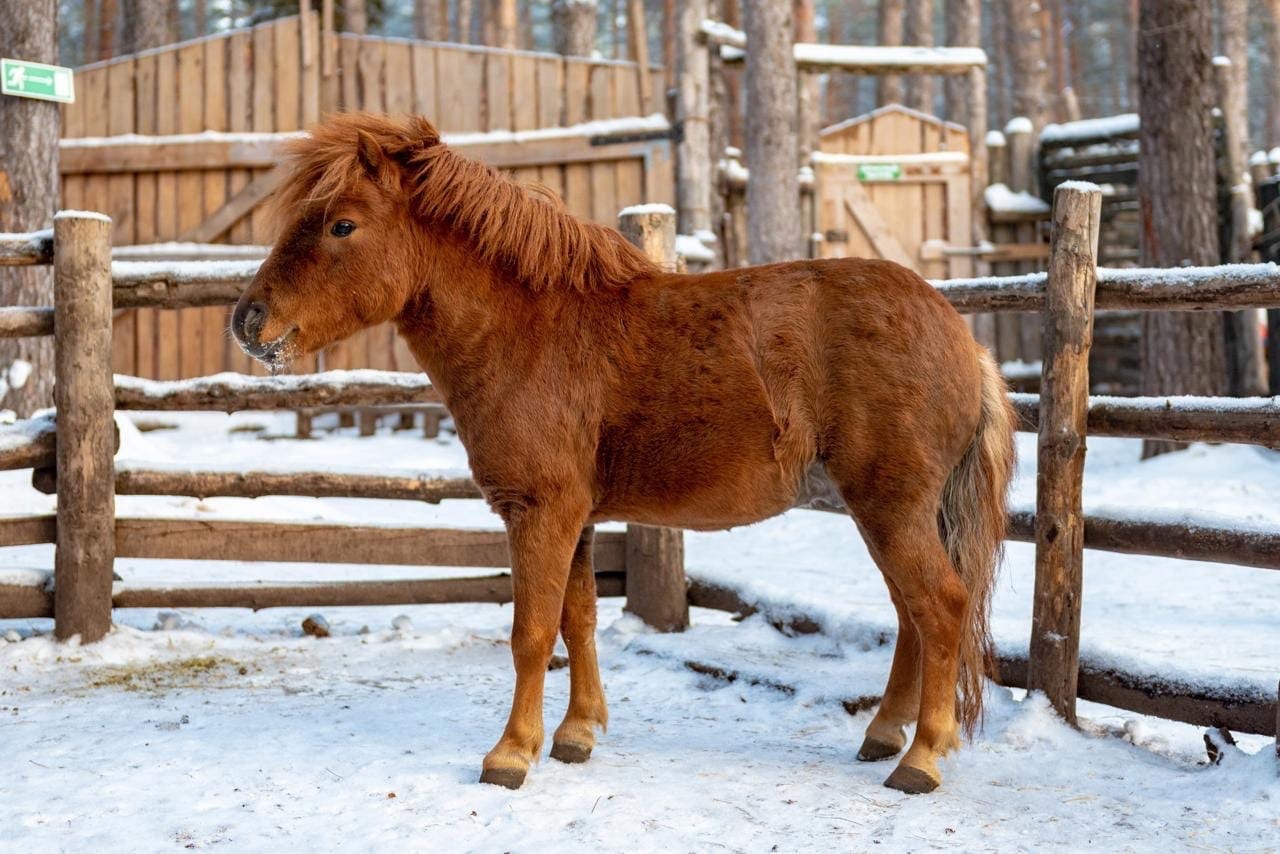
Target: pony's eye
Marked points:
342	228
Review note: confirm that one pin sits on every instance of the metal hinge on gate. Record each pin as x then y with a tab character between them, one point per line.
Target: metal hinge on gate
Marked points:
836	236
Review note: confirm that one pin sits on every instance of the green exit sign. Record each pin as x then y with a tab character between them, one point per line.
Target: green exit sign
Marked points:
879	172
37	80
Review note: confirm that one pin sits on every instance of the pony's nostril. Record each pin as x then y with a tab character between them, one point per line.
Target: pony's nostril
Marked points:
254	316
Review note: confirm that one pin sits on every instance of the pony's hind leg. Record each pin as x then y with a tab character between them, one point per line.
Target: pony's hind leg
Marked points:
886	734
543	540
901	530
576	735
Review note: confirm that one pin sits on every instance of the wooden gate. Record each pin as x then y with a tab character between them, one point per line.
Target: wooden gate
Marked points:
895	184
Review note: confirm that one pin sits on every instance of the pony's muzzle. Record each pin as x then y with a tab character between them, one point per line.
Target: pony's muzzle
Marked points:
247	321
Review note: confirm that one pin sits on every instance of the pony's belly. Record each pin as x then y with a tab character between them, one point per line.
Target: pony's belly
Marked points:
740	497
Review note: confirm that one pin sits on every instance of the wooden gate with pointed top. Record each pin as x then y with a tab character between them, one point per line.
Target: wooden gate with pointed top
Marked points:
895	184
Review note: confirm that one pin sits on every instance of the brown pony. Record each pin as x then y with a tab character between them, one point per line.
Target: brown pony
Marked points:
588	385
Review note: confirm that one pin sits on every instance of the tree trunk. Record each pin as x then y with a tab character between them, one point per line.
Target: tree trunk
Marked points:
200	17
355	17
573	26
889	87
89	49
431	20
1001	63
147	25
731	14
807	83
108	11
773	191
28	198
693	108
1182	352
918	30
506	24
964	29
669	43
1273	92
1030	72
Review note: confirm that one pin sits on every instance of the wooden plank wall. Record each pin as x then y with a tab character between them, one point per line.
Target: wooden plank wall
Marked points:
262	79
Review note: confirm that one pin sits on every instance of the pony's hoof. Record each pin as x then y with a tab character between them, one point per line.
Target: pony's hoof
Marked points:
571	752
507	778
913	781
875	750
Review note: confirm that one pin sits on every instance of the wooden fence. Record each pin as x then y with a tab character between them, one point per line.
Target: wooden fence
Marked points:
281	76
1063	415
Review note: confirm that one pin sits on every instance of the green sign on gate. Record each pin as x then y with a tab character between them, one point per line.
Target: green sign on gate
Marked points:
879	171
36	80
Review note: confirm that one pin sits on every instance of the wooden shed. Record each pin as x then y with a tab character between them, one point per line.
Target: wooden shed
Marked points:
895	184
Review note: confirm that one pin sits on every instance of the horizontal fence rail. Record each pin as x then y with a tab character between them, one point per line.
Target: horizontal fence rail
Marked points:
29	601
1249	420
237	392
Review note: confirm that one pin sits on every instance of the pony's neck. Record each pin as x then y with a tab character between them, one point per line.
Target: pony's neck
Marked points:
470	323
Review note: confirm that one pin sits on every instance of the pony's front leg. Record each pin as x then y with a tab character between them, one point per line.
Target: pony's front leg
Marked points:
542	541
576	735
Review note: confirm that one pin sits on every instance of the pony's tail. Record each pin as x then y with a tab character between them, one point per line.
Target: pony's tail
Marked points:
972	519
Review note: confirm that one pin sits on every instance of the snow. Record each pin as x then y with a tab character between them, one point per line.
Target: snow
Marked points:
25	244
73	214
213	136
694	249
1258	158
180	251
734	171
1080	186
1273	156
231	382
928	158
19	373
858	56
1001	199
1087	129
600	127
184	272
1018	124
232	727
652	208
995	139
20	434
1189	276
723	33
896	109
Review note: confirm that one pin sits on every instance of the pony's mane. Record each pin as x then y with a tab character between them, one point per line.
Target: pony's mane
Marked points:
527	234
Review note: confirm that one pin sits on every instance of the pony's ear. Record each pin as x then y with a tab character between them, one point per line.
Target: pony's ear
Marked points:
370	154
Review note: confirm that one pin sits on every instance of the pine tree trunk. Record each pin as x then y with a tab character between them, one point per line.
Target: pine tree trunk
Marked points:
462	21
889	89
1030	61
1182	352
431	20
506	24
918	30
355	17
90	21
964	29
200	17
1273	92
693	109
807	85
147	24
108	12
28	198
773	191
573	26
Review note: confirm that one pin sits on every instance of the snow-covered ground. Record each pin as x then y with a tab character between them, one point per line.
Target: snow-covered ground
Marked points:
230	729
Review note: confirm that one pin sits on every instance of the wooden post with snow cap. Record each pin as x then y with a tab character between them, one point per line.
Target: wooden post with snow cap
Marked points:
1064	407
85	399
657	591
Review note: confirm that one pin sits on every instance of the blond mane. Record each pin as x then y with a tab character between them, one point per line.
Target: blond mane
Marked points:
524	233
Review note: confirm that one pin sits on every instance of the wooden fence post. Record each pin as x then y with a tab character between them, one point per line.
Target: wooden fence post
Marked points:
85	399
1064	406
656	588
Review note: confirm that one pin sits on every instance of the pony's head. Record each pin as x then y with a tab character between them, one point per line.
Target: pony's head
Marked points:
376	211
346	255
